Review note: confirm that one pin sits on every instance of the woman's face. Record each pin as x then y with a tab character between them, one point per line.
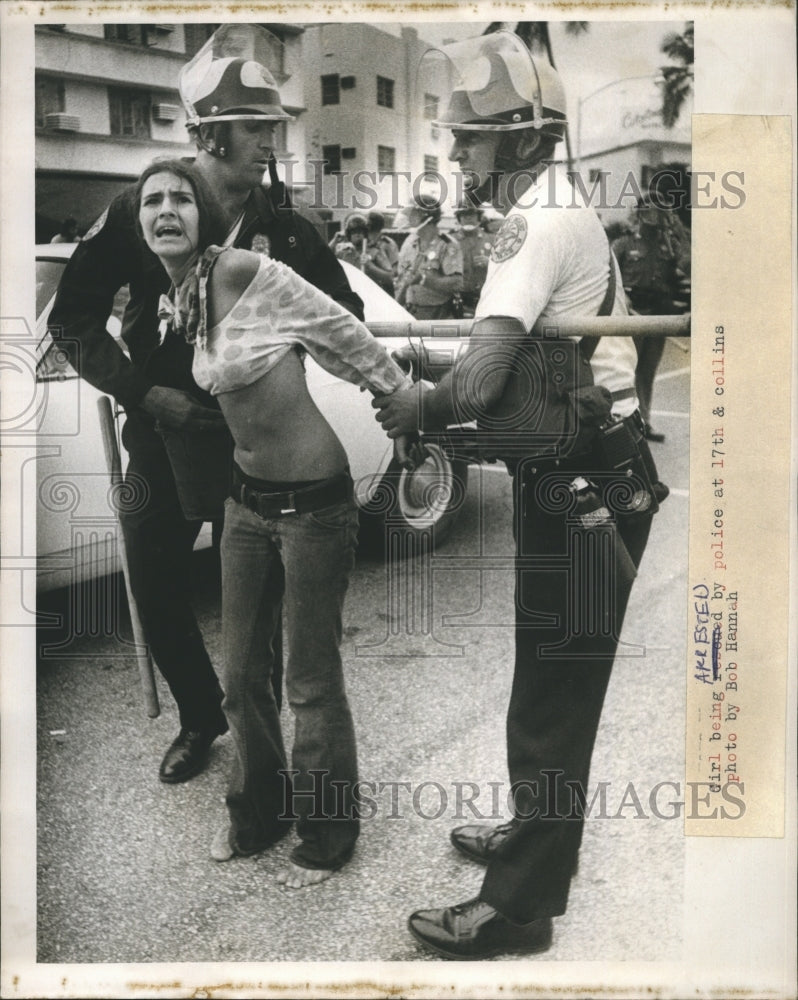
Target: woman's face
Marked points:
169	218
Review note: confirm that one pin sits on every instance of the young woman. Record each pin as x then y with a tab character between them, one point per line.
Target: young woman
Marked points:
290	522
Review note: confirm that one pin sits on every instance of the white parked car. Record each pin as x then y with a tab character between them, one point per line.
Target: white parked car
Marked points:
76	523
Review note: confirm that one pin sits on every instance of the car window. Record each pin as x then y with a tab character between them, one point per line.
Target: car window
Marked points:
48	274
53	362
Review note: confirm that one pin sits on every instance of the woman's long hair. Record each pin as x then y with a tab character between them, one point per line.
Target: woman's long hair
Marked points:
212	227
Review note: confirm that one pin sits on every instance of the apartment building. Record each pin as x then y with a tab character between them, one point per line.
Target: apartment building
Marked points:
621	144
107	104
369	134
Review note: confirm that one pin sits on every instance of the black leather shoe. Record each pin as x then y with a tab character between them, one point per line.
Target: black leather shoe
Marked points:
479	842
651	435
474	930
188	755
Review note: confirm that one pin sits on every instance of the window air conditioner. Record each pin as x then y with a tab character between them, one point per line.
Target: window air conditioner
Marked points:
60	122
165	112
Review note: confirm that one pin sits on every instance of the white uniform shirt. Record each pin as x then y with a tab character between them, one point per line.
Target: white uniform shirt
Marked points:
550	258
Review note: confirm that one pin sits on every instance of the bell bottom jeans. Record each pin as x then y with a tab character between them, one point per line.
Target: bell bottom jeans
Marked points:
301	562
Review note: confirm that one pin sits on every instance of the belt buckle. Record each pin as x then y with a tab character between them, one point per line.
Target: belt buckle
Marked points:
292	508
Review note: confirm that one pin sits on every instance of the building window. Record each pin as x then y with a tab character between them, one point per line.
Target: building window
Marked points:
133	34
386	159
331	89
430	106
196	35
49	98
384	92
129	112
430	164
332	157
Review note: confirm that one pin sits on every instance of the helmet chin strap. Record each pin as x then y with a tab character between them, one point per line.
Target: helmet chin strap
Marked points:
216	145
508	160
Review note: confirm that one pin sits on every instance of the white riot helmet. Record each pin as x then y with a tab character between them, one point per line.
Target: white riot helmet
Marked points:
229	79
493	83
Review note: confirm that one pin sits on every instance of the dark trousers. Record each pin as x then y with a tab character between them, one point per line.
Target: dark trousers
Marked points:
649	355
159	542
572	588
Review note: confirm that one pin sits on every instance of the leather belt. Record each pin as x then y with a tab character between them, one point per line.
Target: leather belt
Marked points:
301	501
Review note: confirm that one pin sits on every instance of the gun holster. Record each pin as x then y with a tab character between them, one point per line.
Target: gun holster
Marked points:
622	449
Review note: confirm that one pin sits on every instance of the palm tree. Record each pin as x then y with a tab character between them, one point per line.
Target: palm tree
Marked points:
677	80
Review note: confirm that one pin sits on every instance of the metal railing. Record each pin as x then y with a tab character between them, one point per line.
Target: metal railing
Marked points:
585	326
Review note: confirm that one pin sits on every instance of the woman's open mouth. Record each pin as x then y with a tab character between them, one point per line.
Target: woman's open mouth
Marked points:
168	231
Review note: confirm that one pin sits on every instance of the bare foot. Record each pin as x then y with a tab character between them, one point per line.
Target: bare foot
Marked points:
296	877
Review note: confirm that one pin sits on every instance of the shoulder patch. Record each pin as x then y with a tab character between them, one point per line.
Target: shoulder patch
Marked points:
509	239
95	228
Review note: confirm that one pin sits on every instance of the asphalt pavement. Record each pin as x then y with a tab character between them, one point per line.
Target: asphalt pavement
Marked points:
124	873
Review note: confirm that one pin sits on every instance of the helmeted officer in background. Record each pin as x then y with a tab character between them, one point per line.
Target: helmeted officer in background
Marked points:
578	539
350	244
430	269
381	260
475	244
655	264
232	104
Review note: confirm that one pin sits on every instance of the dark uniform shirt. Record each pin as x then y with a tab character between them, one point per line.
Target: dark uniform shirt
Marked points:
383	253
655	265
112	255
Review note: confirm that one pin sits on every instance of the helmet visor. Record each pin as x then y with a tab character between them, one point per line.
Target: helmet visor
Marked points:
487	83
230	77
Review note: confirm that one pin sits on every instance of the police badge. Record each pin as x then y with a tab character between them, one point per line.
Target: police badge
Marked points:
261	244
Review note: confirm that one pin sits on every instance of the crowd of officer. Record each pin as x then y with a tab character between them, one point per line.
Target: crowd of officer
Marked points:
437	274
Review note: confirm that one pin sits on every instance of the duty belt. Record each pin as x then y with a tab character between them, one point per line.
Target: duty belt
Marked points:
301	501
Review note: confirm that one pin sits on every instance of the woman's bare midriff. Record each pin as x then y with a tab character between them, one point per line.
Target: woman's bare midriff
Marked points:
278	430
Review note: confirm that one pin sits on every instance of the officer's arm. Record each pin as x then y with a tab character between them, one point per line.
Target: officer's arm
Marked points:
325	272
442	282
450	278
377	273
470	390
96	271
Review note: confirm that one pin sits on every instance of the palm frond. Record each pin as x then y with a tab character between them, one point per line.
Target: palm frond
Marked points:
677	80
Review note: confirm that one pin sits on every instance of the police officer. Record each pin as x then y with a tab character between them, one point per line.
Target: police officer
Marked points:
381	261
430	270
232	104
475	244
351	245
551	258
655	264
